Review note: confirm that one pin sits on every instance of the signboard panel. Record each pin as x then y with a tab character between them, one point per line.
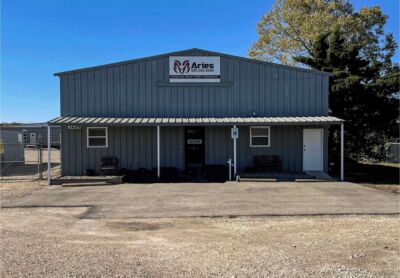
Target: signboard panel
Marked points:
194	141
73	127
194	69
234	133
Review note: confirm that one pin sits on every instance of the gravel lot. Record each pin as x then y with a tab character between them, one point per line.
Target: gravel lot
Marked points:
67	242
56	242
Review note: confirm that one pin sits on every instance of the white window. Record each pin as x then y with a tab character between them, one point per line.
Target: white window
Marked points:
259	136
97	137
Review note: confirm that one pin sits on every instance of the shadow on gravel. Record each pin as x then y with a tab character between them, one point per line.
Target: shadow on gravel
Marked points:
137	226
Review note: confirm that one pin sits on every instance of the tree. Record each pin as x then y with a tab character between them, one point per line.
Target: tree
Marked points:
362	92
328	35
292	26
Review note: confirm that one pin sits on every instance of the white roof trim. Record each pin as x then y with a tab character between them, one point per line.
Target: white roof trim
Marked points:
93	121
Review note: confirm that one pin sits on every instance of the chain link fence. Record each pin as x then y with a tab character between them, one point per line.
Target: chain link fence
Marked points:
24	162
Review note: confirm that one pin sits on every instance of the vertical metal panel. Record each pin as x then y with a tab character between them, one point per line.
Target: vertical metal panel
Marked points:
135	148
130	90
172	147
286	141
218	145
136	90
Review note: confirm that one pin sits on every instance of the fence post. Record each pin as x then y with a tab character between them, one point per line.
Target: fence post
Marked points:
48	156
40	162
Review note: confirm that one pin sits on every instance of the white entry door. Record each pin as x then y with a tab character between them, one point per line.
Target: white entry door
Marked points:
32	138
313	149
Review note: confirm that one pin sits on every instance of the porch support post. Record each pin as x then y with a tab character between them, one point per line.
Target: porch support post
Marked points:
48	156
158	151
342	152
234	156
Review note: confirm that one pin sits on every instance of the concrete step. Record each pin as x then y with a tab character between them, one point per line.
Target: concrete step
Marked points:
85	184
320	175
311	180
87	179
256	179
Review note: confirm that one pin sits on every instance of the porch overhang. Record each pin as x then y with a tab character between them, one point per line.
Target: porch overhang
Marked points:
211	121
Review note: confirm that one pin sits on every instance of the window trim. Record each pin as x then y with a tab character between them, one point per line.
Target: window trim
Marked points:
262	136
87	137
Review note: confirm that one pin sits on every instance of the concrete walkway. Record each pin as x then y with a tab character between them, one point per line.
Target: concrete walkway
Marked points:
216	199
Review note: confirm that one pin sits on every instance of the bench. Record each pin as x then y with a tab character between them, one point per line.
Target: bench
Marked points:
267	163
109	166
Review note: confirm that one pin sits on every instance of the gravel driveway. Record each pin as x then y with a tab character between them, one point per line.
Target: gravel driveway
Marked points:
55	242
104	231
216	199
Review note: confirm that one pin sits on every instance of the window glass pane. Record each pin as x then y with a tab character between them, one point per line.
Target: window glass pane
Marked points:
97	132
259	131
97	142
259	141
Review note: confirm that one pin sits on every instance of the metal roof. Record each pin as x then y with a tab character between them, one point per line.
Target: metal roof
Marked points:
25	125
183	52
101	121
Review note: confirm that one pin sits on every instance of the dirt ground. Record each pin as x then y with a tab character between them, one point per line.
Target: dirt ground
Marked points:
60	242
28	170
64	242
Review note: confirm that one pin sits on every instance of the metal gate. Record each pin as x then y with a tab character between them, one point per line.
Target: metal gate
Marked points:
23	162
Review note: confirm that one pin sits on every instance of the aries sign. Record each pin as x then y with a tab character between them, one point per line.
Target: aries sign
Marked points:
181	67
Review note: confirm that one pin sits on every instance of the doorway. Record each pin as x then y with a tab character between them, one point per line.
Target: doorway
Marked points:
32	139
194	148
313	149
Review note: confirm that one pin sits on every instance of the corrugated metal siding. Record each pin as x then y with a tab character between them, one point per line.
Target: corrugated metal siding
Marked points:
218	145
141	89
287	142
135	147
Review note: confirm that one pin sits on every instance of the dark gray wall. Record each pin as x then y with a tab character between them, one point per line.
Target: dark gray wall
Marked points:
135	147
142	89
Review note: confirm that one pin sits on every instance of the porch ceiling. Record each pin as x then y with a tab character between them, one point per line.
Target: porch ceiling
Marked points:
102	121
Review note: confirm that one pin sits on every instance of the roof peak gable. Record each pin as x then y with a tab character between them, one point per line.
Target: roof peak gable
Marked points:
188	51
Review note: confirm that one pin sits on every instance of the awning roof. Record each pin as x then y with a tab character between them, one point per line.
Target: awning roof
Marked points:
97	121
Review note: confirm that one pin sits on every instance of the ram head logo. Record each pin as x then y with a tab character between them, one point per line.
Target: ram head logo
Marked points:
181	68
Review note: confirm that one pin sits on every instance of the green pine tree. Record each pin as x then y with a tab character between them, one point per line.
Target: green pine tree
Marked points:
362	90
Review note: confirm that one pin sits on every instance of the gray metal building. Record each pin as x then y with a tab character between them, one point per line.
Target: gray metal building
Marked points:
193	107
35	133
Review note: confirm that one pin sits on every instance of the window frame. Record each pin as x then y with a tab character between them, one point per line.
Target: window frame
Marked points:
261	136
88	137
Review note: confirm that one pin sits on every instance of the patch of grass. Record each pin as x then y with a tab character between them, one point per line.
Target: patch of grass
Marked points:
381	176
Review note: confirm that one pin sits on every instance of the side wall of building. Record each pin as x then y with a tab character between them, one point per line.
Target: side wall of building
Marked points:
135	147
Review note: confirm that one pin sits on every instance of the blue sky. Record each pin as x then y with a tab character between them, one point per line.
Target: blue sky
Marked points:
41	37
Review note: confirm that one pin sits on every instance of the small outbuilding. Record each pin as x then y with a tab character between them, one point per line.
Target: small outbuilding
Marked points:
35	134
194	109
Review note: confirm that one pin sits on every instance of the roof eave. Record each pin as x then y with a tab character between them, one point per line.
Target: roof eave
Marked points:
182	52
